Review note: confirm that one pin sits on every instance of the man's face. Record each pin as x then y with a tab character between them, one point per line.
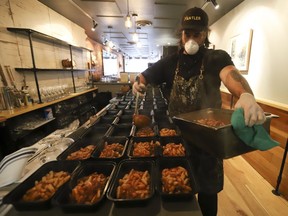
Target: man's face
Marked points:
198	36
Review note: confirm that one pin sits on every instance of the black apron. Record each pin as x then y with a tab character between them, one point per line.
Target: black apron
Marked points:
187	96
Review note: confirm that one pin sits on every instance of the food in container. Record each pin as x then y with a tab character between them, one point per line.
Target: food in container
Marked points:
176	179
218	140
111	148
80	150
134	184
46	187
81	154
143	188
15	197
143	147
145	132
167	132
173	147
87	187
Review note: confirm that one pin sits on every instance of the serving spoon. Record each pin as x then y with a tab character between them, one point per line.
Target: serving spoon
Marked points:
139	120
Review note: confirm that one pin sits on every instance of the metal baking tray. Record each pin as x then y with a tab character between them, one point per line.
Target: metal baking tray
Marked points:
218	141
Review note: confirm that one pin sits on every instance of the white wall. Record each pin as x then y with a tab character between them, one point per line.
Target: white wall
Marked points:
268	70
15	50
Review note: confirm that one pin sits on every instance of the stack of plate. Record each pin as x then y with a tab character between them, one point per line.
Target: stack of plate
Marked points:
12	165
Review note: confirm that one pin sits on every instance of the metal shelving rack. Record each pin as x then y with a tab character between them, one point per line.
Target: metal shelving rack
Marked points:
32	33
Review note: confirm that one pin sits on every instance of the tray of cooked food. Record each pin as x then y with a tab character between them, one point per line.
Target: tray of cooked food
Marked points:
147	131
211	130
37	191
143	147
176	180
87	187
111	148
173	147
168	130
80	150
133	183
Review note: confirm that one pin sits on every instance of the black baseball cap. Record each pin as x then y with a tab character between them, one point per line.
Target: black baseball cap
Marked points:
194	19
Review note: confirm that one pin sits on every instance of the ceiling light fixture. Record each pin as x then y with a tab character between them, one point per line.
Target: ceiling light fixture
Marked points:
109	43
215	4
128	22
95	24
135	35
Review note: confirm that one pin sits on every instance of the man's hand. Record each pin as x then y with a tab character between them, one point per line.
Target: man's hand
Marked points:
138	87
253	113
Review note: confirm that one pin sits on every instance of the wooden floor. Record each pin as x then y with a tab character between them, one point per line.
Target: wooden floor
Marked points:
247	193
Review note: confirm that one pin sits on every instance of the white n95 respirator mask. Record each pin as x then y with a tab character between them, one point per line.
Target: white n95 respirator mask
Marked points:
191	47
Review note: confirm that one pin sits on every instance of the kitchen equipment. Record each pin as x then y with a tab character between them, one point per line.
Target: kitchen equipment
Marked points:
3	78
219	141
10	75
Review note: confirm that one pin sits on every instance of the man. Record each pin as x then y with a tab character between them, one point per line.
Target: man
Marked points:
192	81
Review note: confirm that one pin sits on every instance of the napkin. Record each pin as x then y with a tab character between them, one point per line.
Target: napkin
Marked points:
255	136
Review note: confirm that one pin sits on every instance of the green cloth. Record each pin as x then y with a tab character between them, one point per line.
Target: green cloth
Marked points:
255	136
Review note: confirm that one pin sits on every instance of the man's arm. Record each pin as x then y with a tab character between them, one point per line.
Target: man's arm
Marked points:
234	81
239	87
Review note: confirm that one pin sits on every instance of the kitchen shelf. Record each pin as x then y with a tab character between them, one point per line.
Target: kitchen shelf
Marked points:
42	36
51	69
36	125
32	34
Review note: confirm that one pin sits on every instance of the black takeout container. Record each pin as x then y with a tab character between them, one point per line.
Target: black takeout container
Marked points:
163	163
124	167
82	143
151	126
113	112
218	141
121	140
123	130
14	197
63	198
177	140
107	119
154	153
172	126
98	132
